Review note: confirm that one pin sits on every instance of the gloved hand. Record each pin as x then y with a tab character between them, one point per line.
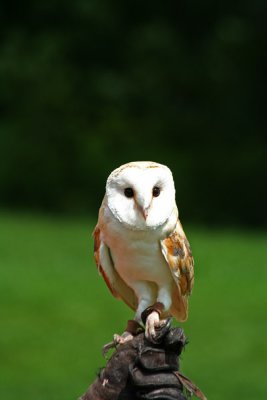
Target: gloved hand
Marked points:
152	372
140	370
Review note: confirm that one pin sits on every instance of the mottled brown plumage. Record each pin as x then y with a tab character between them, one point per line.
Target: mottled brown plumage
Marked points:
177	252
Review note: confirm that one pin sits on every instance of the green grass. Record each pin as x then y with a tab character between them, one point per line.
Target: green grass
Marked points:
56	312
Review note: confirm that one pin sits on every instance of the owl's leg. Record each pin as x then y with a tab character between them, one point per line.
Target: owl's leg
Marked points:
164	296
163	303
154	300
146	294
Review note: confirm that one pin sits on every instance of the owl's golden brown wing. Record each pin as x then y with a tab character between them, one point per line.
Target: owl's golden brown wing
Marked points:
177	253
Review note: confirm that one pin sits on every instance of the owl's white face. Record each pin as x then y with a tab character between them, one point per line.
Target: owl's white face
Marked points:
141	195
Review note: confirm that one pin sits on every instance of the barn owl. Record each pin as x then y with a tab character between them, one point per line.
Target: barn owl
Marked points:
140	246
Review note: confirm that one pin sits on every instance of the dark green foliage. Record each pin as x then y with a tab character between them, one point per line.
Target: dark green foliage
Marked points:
88	85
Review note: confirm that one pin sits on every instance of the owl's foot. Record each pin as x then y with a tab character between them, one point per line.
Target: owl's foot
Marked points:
117	340
155	327
152	322
121	339
133	328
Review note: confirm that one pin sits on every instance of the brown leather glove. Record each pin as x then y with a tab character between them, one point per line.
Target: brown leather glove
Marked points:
140	370
152	372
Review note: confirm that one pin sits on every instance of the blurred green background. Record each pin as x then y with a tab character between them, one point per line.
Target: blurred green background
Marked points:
84	87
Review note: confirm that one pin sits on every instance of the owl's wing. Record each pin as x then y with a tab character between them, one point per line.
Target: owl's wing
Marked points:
177	253
115	283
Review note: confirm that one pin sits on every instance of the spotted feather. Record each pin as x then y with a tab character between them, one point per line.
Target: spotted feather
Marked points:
177	253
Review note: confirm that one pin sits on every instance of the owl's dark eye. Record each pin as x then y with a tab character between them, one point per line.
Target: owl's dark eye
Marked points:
129	192
156	191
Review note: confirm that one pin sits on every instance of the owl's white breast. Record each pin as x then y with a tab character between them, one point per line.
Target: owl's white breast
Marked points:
137	254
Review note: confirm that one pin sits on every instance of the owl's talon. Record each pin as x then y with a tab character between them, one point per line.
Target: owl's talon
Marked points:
107	347
156	328
117	340
152	322
162	329
121	339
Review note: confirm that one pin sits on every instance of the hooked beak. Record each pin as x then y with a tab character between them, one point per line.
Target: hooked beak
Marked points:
144	212
143	207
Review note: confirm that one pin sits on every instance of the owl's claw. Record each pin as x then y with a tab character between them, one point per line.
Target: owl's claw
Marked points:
117	340
121	339
162	329
107	347
156	328
152	322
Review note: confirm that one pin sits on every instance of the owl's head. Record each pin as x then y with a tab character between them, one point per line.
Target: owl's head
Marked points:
141	194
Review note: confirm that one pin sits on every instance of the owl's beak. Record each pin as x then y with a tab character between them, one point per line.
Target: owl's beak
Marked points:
144	212
142	206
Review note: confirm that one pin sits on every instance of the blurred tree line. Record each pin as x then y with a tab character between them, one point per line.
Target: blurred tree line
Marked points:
87	85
